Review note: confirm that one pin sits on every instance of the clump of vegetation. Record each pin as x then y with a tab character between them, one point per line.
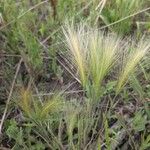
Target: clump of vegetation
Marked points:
95	58
119	9
75	86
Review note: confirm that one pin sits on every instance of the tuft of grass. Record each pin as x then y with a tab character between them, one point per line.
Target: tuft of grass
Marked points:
131	62
33	109
92	56
95	55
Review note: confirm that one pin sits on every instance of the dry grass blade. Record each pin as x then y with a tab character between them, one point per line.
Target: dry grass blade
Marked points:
10	94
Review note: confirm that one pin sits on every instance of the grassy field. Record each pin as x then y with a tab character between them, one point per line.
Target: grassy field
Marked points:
75	75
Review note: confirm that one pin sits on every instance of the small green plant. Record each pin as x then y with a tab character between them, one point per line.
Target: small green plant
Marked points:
139	121
22	136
